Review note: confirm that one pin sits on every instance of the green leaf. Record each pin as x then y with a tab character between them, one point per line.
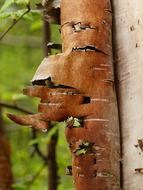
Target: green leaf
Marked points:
22	2
19	13
31	15
18	96
35	12
81	151
5	15
76	123
45	139
14	15
34	141
83	148
6	4
36	25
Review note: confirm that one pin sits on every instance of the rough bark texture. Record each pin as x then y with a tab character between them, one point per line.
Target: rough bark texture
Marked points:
129	62
85	24
5	166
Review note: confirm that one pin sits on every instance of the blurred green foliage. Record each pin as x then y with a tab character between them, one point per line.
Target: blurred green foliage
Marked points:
20	54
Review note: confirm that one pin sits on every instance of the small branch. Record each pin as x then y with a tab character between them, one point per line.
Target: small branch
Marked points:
36	147
52	163
28	41
14	107
15	22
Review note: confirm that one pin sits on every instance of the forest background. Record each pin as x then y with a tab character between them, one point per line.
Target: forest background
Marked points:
21	51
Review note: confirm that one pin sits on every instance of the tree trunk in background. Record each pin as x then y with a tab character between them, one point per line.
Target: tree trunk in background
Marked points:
86	32
128	46
51	147
46	37
5	165
52	163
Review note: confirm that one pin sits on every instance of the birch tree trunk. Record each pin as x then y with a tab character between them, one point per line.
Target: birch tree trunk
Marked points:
128	46
86	30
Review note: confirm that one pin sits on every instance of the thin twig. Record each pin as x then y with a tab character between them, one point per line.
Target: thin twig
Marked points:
14	107
36	147
35	177
52	163
15	22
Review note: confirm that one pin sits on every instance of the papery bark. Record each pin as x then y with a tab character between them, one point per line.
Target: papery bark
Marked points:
128	47
87	24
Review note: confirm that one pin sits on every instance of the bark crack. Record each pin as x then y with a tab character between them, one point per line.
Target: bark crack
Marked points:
88	48
80	26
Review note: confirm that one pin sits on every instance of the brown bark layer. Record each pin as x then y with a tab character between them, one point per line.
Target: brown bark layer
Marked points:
5	166
88	23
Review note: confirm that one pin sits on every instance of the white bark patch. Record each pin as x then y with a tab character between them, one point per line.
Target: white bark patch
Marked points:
128	41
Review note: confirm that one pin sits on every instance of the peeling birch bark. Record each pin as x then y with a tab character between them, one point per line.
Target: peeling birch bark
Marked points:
128	46
88	24
79	83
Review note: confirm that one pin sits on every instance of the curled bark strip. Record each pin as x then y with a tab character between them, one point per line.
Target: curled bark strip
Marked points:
65	69
57	105
29	120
